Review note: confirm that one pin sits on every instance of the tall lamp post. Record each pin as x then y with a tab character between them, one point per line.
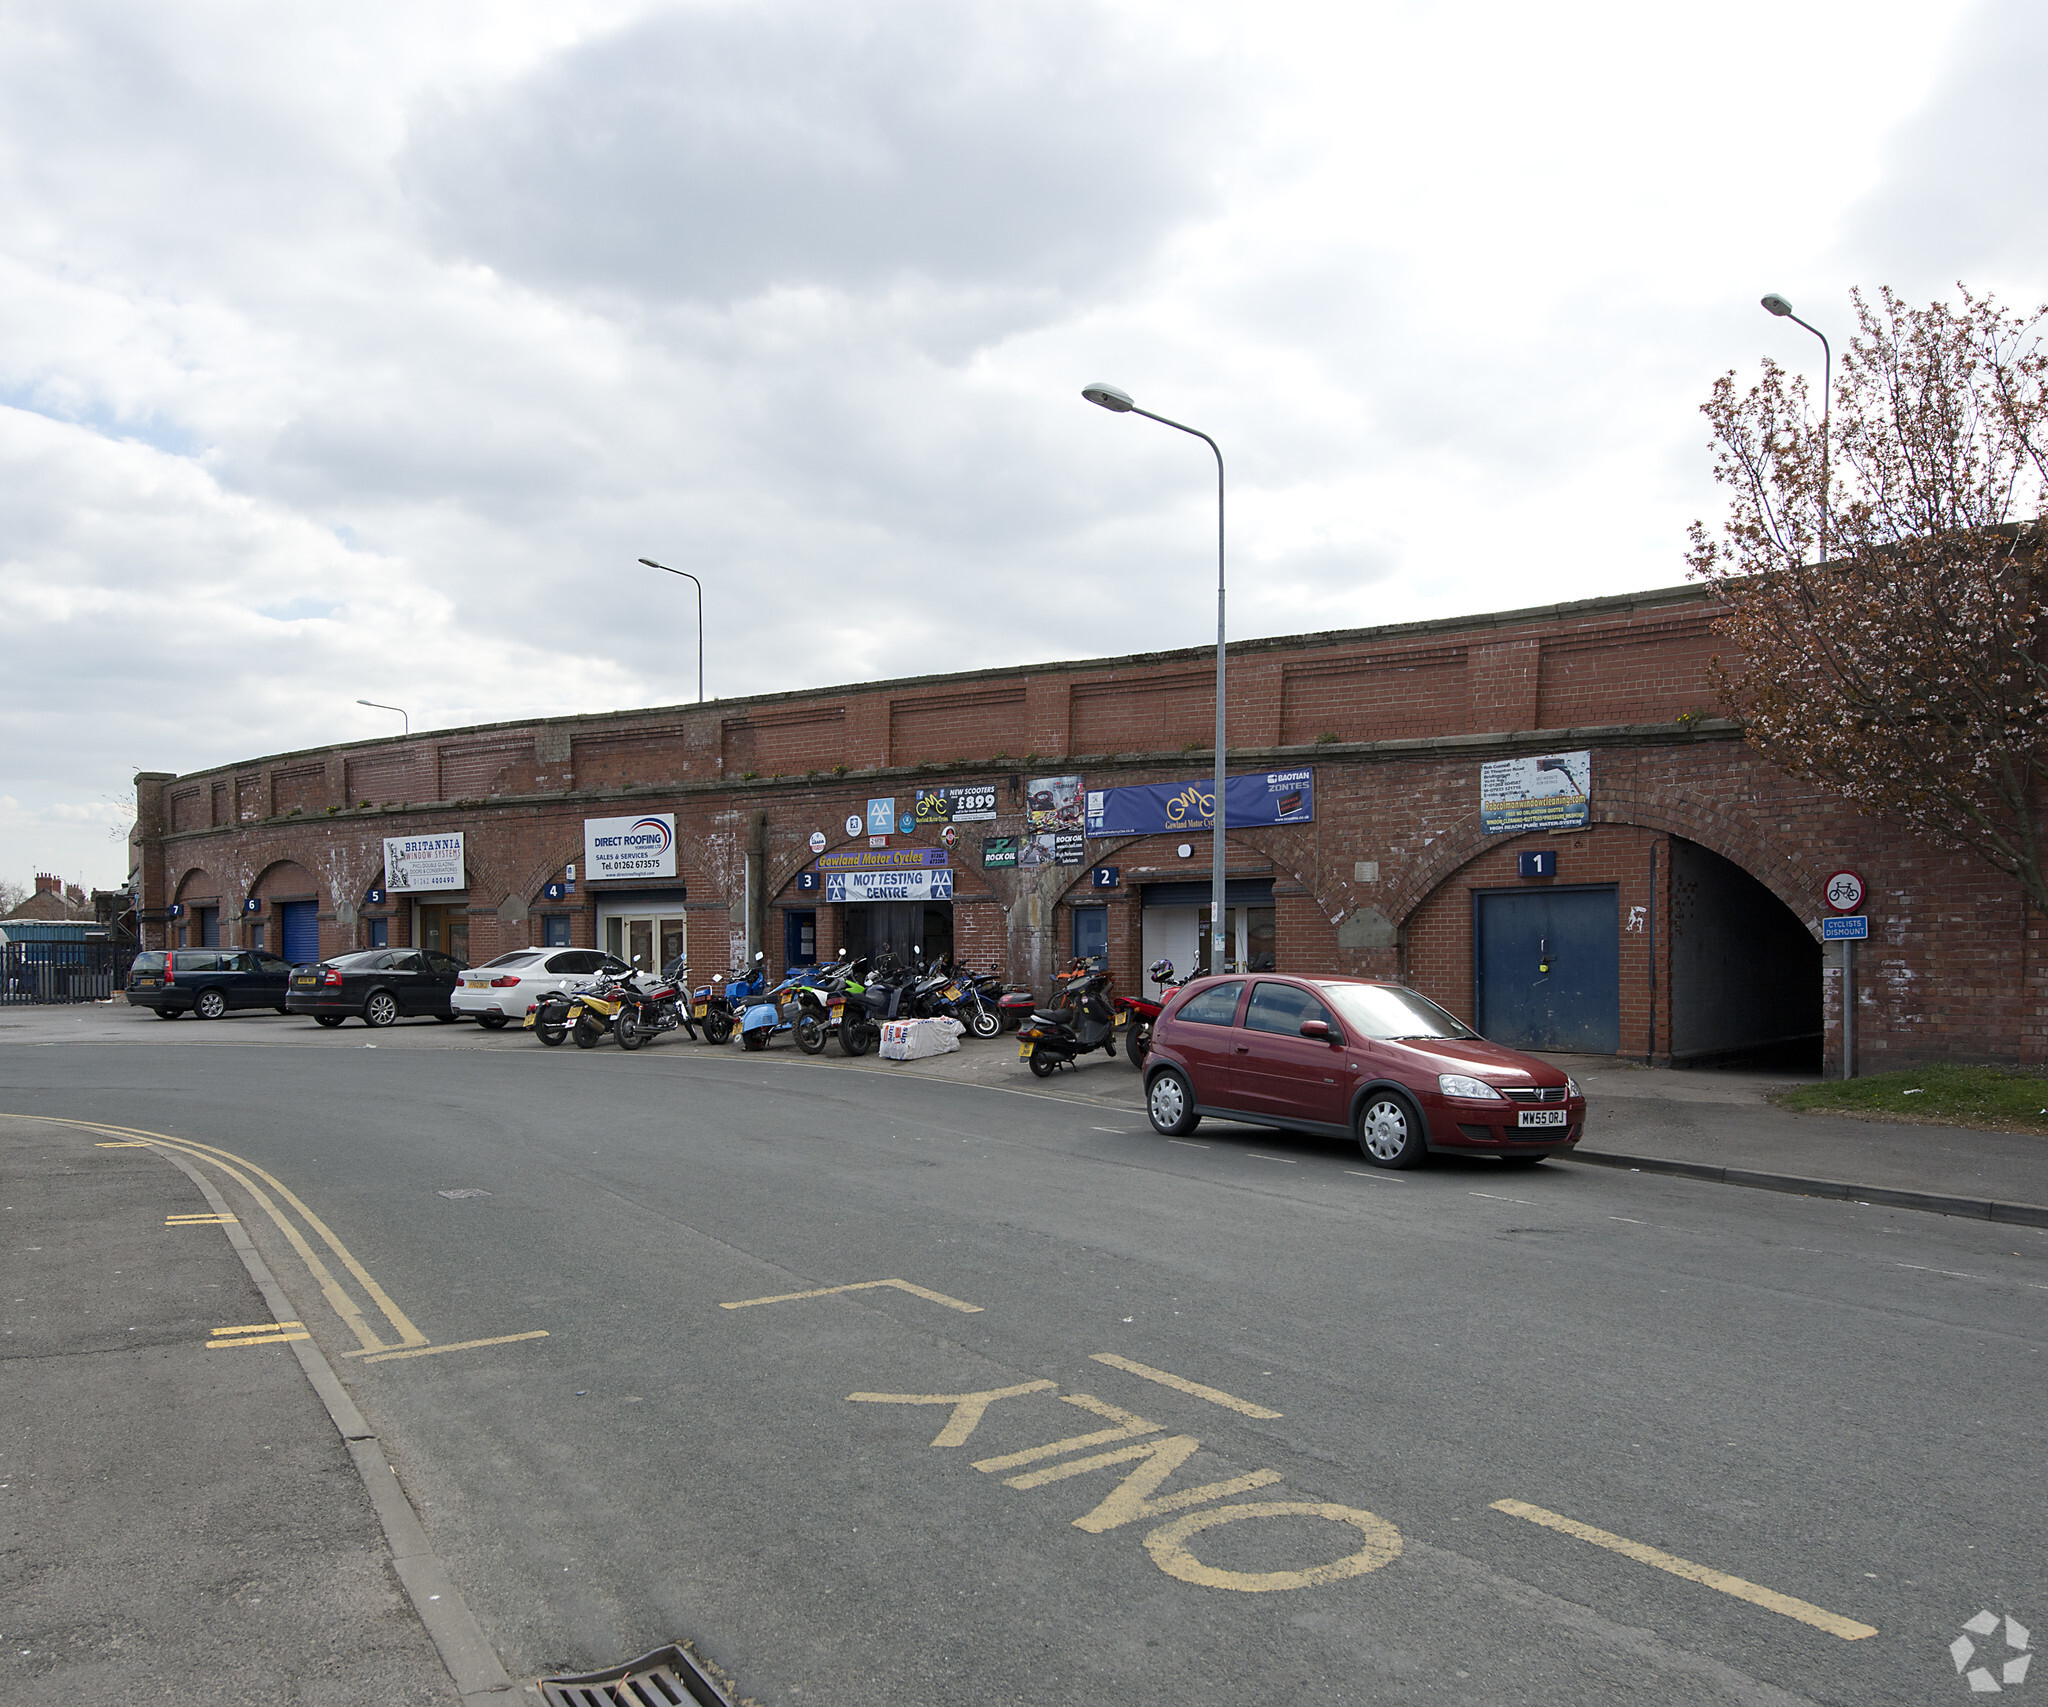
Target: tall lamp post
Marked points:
402	712
1777	305
699	585
1119	402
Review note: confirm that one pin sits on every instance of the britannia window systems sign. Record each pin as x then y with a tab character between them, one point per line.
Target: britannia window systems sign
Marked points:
415	865
1551	792
630	847
884	859
1250	802
889	885
968	803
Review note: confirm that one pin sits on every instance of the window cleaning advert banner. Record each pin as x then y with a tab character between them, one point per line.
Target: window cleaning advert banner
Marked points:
416	864
1277	797
629	847
1552	792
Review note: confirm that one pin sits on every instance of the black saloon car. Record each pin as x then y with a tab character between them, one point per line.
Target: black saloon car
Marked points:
380	986
207	982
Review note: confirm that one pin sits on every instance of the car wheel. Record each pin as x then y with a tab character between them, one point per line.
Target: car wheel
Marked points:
986	1024
718	1028
491	1022
810	1034
1170	1102
165	1013
380	1010
1390	1131
330	1021
209	1004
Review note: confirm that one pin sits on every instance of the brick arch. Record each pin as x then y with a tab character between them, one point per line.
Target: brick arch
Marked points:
286	874
1279	854
537	877
184	885
1727	836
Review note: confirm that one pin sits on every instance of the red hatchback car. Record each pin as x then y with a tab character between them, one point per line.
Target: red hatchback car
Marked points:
1356	1059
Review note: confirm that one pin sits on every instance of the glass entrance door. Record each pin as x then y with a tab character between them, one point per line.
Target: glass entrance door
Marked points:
444	930
646	941
1247	940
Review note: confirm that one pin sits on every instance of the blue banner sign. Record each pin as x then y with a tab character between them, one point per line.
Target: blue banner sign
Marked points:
1854	928
1250	802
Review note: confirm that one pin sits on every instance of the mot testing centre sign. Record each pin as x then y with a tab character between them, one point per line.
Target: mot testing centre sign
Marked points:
416	865
926	885
630	847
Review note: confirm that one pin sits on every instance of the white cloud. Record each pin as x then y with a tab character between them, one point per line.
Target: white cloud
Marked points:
360	355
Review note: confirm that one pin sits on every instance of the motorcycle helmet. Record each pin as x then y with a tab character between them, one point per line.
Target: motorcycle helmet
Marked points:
1160	971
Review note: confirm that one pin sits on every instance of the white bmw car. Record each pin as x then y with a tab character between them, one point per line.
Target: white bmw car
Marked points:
501	990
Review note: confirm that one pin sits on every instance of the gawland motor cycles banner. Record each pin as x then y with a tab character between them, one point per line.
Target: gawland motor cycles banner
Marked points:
416	864
629	847
1553	792
1250	802
889	885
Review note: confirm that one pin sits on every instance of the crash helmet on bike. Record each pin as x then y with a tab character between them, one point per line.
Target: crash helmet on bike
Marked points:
1160	971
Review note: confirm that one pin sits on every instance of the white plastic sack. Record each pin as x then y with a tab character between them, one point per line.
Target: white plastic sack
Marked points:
914	1039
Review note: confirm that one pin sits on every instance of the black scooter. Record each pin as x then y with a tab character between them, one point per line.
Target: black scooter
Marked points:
1087	1019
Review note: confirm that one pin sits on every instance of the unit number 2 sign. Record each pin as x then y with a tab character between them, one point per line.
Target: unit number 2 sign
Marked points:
1844	892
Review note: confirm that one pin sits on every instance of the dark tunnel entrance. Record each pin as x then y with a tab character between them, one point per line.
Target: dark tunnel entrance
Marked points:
1745	972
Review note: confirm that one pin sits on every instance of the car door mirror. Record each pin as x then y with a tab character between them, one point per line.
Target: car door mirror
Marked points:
1319	1029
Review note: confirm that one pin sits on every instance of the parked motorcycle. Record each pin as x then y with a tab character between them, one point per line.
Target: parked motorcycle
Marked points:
718	1006
1144	1012
871	1004
650	1006
784	1008
1086	1019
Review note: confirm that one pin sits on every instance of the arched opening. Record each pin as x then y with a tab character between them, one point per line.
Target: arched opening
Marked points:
288	921
1745	970
198	893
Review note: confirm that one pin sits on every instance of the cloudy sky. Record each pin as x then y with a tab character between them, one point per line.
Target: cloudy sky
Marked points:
359	352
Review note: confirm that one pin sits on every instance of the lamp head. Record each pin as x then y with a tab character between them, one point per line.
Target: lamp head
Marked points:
369	702
1108	397
1777	305
651	563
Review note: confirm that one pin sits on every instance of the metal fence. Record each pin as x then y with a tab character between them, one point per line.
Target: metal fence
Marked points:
63	971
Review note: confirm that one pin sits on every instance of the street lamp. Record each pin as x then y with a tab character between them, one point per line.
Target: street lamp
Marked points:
699	585
1118	402
381	706
1777	305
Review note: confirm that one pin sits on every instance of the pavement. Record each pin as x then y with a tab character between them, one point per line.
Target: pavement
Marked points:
189	1519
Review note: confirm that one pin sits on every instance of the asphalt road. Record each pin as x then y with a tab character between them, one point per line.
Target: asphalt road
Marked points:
1776	1423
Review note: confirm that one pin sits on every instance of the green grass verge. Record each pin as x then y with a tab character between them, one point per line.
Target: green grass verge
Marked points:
1995	1097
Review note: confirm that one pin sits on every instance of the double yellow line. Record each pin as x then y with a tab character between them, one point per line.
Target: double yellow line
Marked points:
371	1338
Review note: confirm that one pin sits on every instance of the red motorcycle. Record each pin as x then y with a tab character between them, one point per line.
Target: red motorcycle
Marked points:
1144	1012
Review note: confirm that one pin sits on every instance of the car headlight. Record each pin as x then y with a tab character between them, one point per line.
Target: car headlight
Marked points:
1571	1086
1462	1085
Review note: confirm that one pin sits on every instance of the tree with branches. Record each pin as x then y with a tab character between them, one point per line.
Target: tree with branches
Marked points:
1907	667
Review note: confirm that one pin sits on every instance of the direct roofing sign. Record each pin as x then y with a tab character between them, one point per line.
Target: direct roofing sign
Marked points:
629	847
1250	802
1553	792
415	865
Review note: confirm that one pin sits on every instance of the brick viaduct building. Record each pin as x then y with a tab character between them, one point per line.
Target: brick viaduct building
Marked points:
1689	905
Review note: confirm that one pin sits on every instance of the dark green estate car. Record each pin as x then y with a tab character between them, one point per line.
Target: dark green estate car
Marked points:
206	981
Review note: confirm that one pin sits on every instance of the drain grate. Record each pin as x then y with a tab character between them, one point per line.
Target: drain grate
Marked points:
668	1677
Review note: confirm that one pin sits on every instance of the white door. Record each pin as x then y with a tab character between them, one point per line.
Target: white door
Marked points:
1169	933
645	941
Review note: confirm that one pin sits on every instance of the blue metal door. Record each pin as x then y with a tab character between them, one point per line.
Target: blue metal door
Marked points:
1547	968
299	929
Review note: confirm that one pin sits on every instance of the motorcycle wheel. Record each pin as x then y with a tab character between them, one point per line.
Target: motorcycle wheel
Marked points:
855	1037
629	1034
1139	1047
810	1034
753	1040
986	1024
588	1031
718	1028
550	1032
1043	1066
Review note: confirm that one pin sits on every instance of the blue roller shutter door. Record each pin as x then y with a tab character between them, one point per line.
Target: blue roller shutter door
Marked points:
1548	968
299	931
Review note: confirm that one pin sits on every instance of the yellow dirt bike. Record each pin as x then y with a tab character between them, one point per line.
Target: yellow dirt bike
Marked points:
586	1014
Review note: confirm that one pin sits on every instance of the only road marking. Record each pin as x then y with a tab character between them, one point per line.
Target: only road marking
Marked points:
1807	1613
859	1286
1215	1395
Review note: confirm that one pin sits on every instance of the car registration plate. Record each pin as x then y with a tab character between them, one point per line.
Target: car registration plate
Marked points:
838	1012
1024	1051
147	983
1544	1117
1123	1016
305	980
